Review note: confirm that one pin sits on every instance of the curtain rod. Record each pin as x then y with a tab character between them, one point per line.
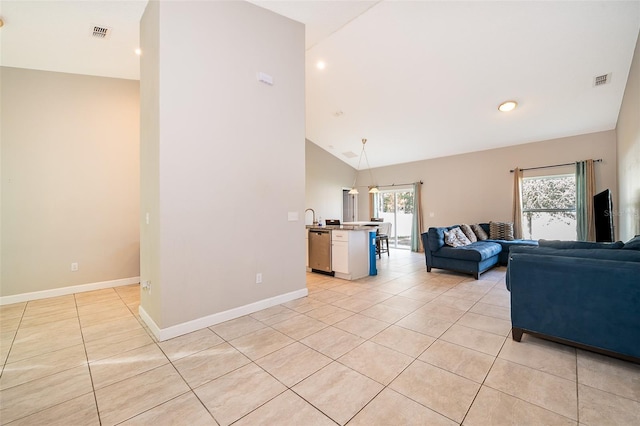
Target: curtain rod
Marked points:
403	184
599	160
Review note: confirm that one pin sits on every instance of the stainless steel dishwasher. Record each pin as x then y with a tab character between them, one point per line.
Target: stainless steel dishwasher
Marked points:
320	251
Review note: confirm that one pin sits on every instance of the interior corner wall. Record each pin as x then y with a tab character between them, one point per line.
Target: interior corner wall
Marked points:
478	186
230	159
628	140
326	177
70	149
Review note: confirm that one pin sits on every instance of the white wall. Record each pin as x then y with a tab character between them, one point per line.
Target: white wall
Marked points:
230	159
477	187
628	134
326	176
69	180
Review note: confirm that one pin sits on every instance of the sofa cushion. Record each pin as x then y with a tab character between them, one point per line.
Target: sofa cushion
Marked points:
602	254
579	244
476	252
633	244
501	231
468	232
480	233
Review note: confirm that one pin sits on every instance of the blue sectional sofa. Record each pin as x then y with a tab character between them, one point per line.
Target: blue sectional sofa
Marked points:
582	294
473	259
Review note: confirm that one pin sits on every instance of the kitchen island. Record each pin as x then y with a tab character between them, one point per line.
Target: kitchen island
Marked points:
341	251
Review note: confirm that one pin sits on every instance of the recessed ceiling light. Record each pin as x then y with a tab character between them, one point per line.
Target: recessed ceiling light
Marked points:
138	51
508	106
321	65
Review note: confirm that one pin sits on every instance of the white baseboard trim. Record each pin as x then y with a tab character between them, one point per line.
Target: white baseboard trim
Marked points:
63	291
163	334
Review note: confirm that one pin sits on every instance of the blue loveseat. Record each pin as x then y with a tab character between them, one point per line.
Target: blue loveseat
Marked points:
474	258
582	294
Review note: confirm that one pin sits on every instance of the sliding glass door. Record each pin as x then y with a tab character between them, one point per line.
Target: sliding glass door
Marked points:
397	206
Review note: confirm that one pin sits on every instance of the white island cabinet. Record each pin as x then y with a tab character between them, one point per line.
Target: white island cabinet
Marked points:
350	253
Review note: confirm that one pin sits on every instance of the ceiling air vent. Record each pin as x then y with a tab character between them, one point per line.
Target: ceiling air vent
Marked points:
350	154
100	31
601	80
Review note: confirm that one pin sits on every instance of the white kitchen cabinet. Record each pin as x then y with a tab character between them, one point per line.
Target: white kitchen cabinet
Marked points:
350	253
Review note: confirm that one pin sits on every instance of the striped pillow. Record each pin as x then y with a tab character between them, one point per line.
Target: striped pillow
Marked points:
501	231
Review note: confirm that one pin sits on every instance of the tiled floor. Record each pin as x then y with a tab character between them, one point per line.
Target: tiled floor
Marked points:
404	347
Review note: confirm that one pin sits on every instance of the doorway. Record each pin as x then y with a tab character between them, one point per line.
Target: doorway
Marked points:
349	206
396	206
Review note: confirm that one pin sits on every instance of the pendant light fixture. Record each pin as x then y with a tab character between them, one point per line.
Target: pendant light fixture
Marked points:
372	189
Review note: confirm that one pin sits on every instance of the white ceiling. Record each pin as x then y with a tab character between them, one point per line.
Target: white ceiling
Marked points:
418	79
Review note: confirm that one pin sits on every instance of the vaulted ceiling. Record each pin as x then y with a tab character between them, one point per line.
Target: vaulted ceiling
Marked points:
417	79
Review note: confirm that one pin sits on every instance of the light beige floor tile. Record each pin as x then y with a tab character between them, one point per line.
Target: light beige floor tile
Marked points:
299	326
126	364
12	311
403	340
304	304
328	296
95	308
362	326
38	343
210	364
332	342
354	304
325	311
37	395
265	314
236	394
188	344
96	296
235	328
403	303
492	407
462	361
78	411
260	343
60	326
539	388
9	324
609	374
384	313
282	316
392	408
183	410
110	328
113	345
543	355
376	362
338	391
336	317
471	338
121	312
437	310
286	409
485	323
500	312
447	299
49	304
293	363
497	299
422	323
437	389
52	316
130	397
420	294
599	408
43	365
348	289
374	296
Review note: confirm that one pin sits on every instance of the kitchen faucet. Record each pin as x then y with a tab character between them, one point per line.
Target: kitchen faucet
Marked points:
314	216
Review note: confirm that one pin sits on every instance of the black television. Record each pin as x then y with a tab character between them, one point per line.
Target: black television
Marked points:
603	216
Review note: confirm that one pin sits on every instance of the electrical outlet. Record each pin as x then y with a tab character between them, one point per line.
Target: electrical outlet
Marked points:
74	267
146	285
258	277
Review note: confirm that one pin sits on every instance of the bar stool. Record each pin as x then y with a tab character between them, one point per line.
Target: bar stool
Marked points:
382	240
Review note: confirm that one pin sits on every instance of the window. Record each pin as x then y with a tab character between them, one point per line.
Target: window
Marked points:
549	207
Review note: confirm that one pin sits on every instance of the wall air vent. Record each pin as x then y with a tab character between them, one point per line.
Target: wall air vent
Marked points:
100	32
601	80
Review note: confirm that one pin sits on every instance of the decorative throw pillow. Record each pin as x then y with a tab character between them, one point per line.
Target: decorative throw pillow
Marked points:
461	237
450	238
468	232
501	231
477	229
